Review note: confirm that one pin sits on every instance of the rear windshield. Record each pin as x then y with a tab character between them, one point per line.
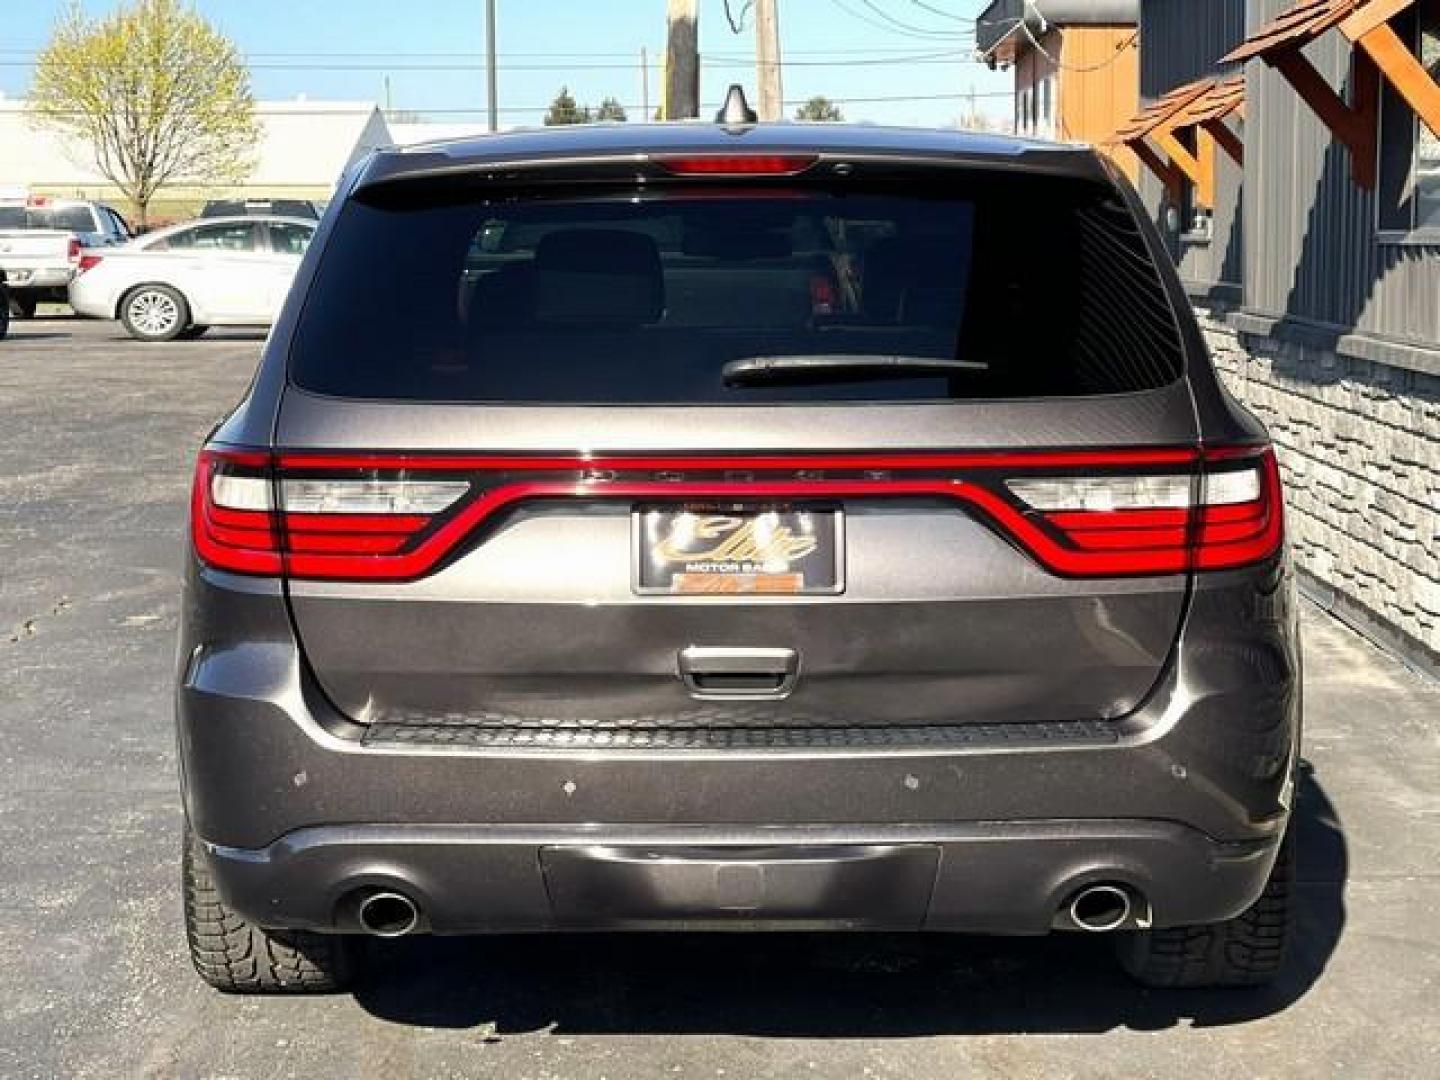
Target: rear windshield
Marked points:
1026	288
66	219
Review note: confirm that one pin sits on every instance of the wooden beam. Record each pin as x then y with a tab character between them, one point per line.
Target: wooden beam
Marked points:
1367	18
1226	139
1355	126
1205	156
1194	166
1404	72
1365	104
1165	172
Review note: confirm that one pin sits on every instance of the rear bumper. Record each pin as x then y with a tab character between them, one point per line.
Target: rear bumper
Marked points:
1006	878
89	301
1184	805
39	277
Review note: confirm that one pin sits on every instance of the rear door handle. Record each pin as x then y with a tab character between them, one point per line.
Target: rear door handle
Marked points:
727	673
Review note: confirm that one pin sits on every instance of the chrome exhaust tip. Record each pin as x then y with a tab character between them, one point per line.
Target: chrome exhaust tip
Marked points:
388	914
1100	908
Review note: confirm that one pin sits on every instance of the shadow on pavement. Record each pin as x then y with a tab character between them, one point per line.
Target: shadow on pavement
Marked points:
22	333
836	985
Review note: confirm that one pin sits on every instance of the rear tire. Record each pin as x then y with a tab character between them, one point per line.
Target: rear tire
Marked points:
1248	950
24	305
154	313
238	957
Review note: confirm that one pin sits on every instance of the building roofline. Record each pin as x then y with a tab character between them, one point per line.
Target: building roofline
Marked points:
1005	24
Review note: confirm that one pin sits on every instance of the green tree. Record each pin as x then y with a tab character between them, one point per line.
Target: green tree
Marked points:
610	109
819	108
564	110
157	94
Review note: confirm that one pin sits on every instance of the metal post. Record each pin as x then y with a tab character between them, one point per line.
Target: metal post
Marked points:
767	59
490	80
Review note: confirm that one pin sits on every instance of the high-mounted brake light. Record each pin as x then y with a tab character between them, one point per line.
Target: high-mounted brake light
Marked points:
1077	513
737	164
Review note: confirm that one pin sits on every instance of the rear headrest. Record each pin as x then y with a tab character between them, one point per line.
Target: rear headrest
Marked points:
606	276
896	264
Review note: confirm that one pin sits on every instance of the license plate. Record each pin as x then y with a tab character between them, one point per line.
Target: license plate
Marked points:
724	548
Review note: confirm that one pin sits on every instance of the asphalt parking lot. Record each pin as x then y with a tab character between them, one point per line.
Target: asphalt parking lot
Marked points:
97	434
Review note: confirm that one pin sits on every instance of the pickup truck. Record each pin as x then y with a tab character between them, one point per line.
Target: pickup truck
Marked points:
41	240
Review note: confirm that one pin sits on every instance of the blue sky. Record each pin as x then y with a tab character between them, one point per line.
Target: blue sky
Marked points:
433	53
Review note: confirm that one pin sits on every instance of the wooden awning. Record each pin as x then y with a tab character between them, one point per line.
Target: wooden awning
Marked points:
1380	53
1203	105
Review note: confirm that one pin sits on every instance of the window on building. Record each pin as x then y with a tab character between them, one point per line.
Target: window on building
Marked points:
1409	150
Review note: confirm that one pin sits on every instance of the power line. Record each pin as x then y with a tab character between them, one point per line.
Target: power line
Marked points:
711	64
547	54
947	56
1079	69
890	27
911	27
942	12
480	110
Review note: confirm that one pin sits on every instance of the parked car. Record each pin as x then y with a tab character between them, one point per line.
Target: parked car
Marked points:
739	527
296	208
178	282
41	239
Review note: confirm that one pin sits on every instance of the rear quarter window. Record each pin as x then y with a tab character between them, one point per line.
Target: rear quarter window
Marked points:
981	288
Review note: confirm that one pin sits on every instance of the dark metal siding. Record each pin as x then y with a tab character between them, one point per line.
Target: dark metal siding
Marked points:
1311	248
1180	40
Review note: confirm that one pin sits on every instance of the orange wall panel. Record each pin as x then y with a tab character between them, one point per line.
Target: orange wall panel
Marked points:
1099	86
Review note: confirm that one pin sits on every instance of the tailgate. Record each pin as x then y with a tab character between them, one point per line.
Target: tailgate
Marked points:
533	614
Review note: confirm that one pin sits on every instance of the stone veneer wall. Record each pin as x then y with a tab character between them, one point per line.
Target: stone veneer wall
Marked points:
1359	445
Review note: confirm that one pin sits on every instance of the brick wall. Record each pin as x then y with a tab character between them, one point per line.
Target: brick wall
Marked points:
1359	443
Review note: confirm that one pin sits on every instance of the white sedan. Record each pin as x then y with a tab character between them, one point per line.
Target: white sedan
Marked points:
178	282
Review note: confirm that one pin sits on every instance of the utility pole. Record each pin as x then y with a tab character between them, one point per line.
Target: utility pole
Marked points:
682	60
644	85
767	59
490	80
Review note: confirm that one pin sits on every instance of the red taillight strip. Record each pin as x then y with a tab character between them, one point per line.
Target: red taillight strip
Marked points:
1071	543
1217	548
354	523
255	548
1012	519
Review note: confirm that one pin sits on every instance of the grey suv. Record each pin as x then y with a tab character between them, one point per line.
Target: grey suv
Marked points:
737	527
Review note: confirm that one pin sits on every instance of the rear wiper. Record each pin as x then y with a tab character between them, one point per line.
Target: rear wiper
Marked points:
839	367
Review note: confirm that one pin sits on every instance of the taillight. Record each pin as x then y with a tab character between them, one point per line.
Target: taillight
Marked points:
246	518
736	164
72	250
1226	514
88	261
1078	513
822	295
232	517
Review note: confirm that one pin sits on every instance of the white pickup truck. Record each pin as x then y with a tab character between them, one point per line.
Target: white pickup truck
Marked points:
41	240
